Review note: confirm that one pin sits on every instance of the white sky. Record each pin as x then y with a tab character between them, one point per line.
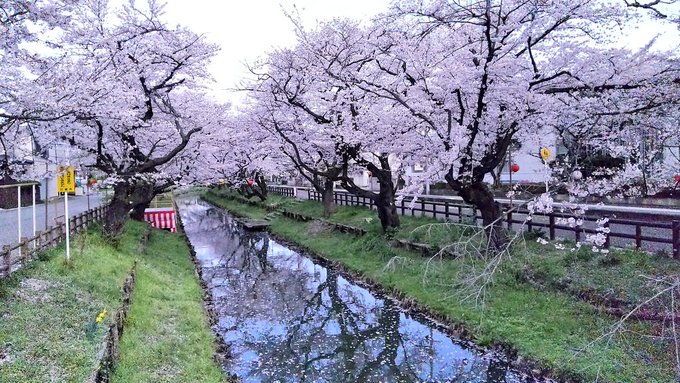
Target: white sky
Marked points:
247	29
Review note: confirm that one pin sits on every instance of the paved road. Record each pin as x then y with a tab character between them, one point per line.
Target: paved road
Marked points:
8	217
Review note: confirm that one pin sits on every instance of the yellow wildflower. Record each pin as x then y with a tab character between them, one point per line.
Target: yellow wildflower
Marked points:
101	315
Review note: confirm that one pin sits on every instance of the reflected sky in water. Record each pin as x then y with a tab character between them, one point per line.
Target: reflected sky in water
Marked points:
288	319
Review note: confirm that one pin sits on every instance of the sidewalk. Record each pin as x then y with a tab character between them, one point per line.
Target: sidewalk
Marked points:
9	218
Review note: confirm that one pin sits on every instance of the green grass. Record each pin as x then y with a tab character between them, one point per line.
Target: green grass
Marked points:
46	308
547	325
417	229
166	338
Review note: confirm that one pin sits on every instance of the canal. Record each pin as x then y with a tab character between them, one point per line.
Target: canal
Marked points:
286	318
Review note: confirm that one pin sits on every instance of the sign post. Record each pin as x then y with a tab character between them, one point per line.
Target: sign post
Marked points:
19	212
66	184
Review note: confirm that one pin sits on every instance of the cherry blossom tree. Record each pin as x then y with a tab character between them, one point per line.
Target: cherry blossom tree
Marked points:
134	89
475	76
297	148
25	27
297	102
328	126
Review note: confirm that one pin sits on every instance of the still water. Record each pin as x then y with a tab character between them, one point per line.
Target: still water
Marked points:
289	319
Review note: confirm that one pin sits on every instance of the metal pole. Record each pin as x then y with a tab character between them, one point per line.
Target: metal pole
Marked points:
19	212
68	228
56	162
510	171
47	188
33	190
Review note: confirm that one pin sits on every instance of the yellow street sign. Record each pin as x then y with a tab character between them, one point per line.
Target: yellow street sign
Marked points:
66	179
545	154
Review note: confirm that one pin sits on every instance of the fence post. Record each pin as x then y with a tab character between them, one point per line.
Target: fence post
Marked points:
60	232
551	220
23	250
606	238
676	239
510	220
6	254
40	236
638	236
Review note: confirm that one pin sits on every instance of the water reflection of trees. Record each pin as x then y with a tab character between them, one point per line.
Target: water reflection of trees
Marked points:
341	337
290	320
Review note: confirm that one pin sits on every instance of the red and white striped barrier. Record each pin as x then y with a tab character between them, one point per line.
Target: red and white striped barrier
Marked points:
161	218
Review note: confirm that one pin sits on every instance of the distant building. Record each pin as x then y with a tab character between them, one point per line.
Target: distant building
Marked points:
29	165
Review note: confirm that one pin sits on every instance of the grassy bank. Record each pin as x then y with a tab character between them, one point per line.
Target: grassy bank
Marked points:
46	310
166	338
542	321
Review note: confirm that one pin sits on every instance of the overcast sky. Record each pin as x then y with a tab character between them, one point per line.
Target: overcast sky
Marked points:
246	30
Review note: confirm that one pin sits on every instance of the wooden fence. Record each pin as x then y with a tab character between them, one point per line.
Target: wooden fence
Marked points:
13	257
627	232
282	190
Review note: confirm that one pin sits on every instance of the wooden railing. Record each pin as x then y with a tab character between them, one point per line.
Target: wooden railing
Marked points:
629	232
281	190
16	256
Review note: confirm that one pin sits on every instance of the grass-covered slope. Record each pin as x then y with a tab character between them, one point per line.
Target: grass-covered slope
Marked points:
46	312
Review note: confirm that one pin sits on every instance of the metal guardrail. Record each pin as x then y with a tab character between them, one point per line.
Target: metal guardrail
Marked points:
19	185
451	210
28	247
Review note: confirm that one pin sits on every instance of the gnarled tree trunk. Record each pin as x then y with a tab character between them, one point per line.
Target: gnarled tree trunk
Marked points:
384	199
479	195
384	202
328	198
129	199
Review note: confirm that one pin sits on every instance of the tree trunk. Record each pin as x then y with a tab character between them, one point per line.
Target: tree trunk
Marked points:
140	198
327	198
127	198
257	189
119	207
384	202
261	182
387	213
138	209
479	195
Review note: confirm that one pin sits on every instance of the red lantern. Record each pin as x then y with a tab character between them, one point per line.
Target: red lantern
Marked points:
93	181
677	178
514	168
250	182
